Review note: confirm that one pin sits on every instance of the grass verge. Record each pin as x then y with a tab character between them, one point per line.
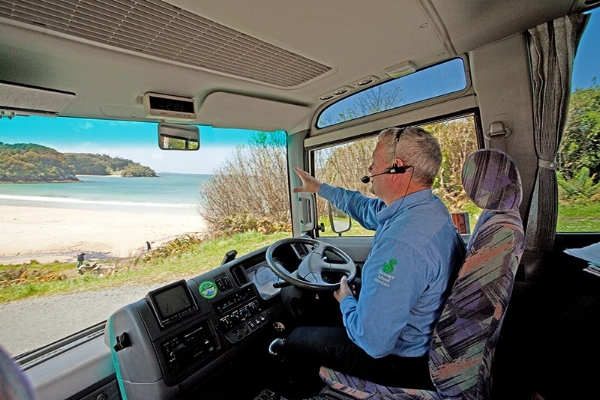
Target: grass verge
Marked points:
183	258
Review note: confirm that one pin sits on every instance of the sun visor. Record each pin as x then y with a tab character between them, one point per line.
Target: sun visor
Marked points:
18	99
228	110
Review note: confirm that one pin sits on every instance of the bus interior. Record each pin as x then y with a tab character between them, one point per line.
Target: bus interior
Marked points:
326	75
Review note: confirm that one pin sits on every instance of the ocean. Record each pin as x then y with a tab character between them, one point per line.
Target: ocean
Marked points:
167	193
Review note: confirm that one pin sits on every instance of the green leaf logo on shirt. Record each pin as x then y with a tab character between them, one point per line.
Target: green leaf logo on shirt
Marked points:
388	267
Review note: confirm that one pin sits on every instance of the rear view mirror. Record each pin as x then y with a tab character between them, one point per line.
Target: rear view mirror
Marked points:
178	137
339	220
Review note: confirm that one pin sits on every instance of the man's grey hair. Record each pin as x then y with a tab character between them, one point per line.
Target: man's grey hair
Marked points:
417	148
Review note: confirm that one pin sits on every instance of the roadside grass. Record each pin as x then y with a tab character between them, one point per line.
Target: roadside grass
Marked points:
578	218
184	260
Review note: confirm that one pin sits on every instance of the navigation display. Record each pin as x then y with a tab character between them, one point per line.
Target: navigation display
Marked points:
172	302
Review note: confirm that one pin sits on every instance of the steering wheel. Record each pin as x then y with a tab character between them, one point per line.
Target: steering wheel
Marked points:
309	274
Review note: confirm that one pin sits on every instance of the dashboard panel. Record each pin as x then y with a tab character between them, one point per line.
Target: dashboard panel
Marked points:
183	332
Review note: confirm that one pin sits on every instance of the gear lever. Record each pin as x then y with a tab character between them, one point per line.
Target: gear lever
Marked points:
277	347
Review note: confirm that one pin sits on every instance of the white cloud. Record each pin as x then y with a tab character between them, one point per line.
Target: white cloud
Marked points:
85	126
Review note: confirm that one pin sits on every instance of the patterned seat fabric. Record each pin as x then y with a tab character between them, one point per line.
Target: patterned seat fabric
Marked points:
14	385
465	337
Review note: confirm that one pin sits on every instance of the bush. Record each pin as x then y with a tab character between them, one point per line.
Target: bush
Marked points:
175	247
250	188
23	274
244	222
580	189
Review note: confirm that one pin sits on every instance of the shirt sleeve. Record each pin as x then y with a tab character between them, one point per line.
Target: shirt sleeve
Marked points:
360	207
393	278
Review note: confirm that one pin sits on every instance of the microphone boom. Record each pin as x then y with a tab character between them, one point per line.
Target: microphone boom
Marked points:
367	178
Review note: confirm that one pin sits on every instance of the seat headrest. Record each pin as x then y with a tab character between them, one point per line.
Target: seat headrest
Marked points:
492	180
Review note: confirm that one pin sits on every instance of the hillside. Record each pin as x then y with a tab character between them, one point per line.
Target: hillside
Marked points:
96	164
27	162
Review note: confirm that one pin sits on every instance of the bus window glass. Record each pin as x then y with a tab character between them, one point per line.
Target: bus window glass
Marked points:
438	80
457	139
93	204
579	155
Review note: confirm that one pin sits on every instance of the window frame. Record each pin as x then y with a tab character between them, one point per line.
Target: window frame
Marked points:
311	151
400	109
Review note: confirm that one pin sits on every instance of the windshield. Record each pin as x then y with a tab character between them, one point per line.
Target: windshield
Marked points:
93	215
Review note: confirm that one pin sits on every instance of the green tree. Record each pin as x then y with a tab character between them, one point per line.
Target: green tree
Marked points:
22	162
580	146
137	170
457	139
580	189
33	163
102	164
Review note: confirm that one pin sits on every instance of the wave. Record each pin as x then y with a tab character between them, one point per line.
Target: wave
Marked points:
69	200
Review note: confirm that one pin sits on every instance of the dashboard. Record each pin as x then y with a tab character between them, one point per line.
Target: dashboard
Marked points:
265	281
183	332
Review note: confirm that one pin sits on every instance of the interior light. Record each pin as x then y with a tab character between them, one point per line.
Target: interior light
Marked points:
401	69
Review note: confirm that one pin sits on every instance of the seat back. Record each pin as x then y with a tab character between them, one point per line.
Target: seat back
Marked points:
467	332
14	385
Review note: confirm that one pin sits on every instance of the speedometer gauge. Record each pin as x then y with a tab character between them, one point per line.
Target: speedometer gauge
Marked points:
264	278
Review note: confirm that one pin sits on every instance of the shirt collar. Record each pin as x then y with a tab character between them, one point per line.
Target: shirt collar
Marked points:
403	203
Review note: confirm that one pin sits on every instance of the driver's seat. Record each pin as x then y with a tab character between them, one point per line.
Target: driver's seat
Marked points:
465	337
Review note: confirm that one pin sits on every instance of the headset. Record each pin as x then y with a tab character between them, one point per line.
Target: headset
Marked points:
395	169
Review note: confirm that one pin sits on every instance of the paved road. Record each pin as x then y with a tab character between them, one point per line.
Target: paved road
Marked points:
31	323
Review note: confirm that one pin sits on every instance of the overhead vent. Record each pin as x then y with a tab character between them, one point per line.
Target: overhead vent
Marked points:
30	100
158	29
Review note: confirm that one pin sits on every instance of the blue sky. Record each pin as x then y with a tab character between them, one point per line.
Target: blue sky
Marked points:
138	141
587	59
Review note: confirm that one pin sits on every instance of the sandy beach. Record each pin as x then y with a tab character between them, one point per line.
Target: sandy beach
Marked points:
55	233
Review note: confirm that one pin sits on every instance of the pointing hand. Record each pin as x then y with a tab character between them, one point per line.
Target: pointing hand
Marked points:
309	183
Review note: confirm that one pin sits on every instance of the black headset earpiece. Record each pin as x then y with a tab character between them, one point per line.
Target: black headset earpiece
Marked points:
396	169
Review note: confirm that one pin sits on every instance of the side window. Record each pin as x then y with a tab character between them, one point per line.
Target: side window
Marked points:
432	82
579	156
332	167
457	139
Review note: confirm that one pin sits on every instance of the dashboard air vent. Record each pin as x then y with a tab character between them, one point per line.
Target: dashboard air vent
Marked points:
239	276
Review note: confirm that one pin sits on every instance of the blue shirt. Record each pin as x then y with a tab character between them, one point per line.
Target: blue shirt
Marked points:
406	277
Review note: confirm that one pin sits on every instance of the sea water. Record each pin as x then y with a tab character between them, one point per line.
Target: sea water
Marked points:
167	193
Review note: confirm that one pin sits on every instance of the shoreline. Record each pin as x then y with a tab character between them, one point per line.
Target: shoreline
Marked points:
53	233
